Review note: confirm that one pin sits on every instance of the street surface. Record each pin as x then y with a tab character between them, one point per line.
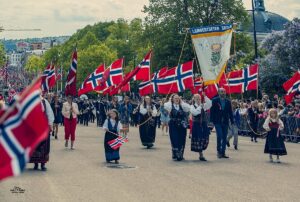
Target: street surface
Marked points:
151	175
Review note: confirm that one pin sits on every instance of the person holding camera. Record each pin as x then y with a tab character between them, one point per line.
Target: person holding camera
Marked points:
147	126
177	125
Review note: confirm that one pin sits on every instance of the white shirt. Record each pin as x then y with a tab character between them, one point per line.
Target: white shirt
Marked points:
197	110
268	120
144	111
113	123
186	107
49	113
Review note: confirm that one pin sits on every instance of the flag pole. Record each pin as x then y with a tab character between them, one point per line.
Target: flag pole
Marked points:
226	78
257	82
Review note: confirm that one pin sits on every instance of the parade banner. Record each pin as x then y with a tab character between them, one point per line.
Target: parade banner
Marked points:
212	46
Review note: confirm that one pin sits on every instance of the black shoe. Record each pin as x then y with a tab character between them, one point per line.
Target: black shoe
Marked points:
228	144
251	139
56	137
219	155
36	166
179	159
116	162
52	133
149	146
225	157
255	141
202	159
43	167
235	147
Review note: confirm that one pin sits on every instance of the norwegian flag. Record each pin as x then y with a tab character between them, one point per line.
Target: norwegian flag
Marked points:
118	142
176	79
48	78
198	86
150	87
144	72
241	80
71	78
129	76
292	86
23	125
92	81
112	75
211	90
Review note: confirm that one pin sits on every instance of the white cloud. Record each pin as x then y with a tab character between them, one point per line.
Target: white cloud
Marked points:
64	17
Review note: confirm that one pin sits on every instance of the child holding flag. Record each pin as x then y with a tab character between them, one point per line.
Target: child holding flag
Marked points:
112	126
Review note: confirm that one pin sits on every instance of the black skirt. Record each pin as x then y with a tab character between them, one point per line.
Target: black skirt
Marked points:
41	153
110	154
200	137
275	145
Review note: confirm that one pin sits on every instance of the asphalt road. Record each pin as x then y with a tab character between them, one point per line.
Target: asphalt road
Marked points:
150	175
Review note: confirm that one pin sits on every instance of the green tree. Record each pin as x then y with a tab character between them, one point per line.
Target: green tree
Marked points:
167	19
35	64
90	58
2	55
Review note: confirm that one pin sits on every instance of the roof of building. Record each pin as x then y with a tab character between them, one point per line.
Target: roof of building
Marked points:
267	22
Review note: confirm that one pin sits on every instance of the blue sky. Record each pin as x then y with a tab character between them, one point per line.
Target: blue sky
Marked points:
64	17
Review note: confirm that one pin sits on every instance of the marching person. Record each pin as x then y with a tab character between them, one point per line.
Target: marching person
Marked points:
57	108
41	153
220	113
253	120
70	112
177	125
200	131
112	126
274	141
125	111
147	127
85	112
233	128
164	118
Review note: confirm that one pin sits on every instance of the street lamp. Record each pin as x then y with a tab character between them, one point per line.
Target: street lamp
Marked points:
254	30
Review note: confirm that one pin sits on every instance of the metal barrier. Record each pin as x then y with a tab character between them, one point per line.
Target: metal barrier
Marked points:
291	131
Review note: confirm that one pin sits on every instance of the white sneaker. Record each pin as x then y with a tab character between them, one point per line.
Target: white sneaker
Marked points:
278	161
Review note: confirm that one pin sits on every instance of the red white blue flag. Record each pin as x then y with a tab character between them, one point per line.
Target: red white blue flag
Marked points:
23	125
144	72
292	86
118	142
176	79
241	80
198	86
150	87
113	75
48	78
92	81
72	75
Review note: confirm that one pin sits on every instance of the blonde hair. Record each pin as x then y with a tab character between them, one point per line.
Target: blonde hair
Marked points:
273	110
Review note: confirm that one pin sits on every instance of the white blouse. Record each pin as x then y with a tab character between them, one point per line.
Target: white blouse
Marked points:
186	107
113	123
197	110
267	121
144	110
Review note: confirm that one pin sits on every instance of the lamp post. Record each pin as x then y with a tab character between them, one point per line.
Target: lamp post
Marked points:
254	30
